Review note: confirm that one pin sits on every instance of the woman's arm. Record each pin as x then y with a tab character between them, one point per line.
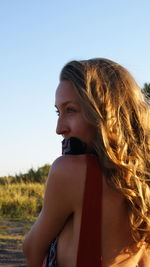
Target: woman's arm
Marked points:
57	207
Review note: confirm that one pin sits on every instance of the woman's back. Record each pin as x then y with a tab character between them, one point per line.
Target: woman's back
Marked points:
118	248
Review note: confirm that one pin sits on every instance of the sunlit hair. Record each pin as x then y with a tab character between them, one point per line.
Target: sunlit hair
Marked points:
114	104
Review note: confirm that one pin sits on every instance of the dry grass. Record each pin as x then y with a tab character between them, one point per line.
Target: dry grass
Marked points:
21	200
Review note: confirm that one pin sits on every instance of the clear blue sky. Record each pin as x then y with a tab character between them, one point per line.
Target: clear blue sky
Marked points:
36	39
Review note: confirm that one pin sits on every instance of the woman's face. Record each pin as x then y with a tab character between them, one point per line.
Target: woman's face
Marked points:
71	121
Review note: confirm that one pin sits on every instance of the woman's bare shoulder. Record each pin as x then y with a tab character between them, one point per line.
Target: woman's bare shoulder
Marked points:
69	165
65	159
69	172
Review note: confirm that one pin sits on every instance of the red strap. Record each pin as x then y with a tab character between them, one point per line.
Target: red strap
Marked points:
89	248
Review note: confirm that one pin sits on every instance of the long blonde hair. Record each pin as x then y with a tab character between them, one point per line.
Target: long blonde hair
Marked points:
114	103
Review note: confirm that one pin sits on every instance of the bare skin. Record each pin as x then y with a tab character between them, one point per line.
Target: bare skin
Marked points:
118	247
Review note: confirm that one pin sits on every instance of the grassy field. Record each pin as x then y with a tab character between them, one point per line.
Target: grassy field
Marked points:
21	200
20	203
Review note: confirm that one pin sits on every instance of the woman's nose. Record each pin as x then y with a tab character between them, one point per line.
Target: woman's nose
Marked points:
62	127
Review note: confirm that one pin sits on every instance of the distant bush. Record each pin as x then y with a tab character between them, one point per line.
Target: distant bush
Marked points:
22	200
21	196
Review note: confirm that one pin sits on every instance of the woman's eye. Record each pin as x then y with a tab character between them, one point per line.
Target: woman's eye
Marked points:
70	110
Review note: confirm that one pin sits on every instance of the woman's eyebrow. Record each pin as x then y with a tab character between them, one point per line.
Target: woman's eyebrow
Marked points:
67	102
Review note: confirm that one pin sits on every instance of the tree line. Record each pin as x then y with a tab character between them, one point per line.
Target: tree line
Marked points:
32	176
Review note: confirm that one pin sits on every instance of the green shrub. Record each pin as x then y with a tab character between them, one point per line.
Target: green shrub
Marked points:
21	200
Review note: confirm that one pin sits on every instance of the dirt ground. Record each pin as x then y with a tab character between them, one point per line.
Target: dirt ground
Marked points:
12	232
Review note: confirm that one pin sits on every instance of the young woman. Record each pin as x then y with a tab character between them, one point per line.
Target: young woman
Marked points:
96	209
